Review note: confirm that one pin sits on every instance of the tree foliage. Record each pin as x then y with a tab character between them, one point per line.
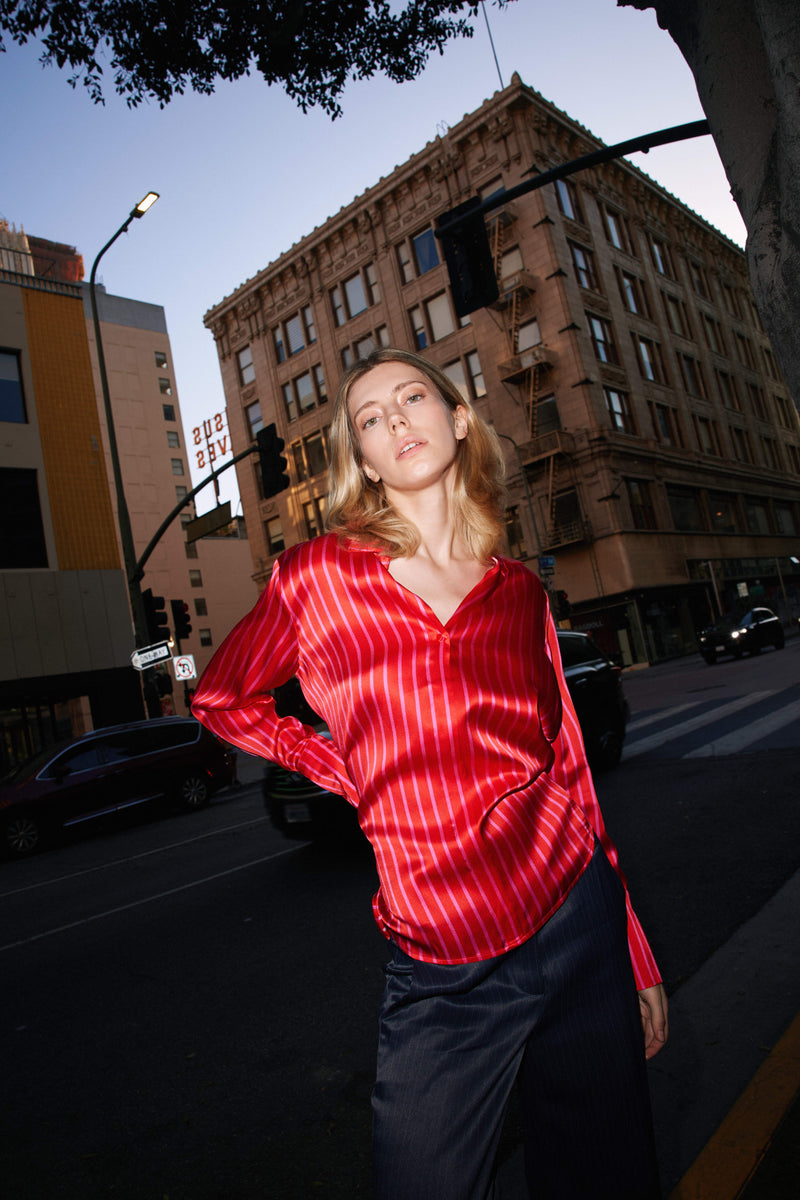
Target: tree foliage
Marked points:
745	58
156	49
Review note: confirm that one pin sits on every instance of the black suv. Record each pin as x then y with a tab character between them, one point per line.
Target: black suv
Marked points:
172	761
735	632
300	809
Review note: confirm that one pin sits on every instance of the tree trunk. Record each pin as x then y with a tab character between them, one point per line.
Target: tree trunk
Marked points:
745	58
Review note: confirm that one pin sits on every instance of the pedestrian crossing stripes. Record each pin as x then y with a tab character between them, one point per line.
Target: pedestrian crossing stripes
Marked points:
734	726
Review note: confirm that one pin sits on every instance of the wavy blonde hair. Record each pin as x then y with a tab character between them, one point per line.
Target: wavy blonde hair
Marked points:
358	508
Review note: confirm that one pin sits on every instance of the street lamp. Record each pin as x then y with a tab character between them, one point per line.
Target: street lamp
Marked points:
123	516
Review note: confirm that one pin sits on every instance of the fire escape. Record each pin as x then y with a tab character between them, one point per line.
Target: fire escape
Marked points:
530	368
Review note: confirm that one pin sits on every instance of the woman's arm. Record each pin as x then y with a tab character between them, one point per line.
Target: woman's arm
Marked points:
233	697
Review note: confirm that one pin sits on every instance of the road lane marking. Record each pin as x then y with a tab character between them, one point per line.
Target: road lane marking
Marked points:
120	862
184	887
642	745
740	739
663	714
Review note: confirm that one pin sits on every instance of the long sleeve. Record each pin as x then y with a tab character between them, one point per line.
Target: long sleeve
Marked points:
233	700
572	771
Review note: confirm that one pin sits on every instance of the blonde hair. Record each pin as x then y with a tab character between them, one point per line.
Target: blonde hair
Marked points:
358	508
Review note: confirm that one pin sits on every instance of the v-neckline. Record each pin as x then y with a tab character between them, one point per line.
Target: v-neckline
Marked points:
491	570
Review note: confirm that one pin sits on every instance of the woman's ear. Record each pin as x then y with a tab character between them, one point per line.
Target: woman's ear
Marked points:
371	473
460	422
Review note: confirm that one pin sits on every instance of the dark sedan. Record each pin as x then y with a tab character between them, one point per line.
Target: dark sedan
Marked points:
736	633
300	809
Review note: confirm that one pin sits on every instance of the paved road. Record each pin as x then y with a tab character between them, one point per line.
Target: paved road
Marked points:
188	1008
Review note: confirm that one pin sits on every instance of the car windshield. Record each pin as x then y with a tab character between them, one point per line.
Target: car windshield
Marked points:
27	769
729	621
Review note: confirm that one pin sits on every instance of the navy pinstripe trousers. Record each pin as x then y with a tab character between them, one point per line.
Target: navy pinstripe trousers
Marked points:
558	1014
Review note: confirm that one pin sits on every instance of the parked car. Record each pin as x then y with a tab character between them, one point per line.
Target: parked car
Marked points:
734	633
301	809
166	762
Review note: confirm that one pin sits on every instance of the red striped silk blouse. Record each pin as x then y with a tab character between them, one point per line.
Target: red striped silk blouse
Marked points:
470	784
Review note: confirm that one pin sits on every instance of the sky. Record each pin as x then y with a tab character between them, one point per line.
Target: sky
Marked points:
243	174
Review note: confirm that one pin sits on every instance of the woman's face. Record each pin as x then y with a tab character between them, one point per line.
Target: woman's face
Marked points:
407	434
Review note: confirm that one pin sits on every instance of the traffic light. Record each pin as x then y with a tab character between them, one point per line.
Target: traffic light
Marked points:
273	463
181	621
473	279
562	606
155	616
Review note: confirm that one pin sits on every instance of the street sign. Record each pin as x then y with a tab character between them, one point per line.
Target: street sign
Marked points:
147	655
184	667
209	522
547	564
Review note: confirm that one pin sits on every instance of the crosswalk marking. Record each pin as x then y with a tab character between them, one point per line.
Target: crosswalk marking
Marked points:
643	745
740	739
663	714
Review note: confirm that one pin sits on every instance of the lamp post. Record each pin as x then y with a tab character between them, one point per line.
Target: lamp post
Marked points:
123	516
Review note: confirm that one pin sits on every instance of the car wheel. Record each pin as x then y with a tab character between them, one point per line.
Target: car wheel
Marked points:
710	658
22	835
193	791
607	750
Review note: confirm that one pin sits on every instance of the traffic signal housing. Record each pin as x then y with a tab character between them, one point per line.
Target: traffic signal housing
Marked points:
562	606
181	620
274	475
156	617
473	279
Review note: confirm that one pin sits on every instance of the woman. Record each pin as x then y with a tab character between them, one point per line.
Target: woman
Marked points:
515	954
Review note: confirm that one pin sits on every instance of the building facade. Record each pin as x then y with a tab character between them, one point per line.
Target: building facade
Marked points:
653	449
65	627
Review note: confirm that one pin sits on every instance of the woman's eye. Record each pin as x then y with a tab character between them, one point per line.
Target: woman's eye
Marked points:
369	422
415	396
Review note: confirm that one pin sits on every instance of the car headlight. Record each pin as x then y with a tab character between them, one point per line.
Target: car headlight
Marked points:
736	633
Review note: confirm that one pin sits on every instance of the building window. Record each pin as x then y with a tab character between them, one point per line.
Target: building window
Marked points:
510	262
742	450
177	466
617	231
692	373
200	607
686	509
431	321
426	254
205	637
294	334
699	280
514	534
161	359
785	521
247	372
707	438
601	332
467	375
165	387
254	419
756	515
640	500
755	395
173	439
633	294
364	346
181	492
677	315
12	397
662	259
731	300
355	294
770	365
619	409
311	455
651	363
585	269
195	579
22	542
771	456
314	516
545	416
787	414
276	541
528	335
169	411
476	375
665	425
722	509
744	351
727	390
190	549
305	392
714	334
568	202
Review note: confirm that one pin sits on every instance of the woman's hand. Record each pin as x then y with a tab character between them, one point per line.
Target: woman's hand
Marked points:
655	1024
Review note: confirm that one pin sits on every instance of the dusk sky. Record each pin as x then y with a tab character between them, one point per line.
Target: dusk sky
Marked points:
244	174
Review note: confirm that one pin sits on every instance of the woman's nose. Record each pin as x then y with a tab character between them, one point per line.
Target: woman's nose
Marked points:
396	418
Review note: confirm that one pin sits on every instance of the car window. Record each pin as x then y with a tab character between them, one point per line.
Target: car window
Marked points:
73	759
576	649
133	743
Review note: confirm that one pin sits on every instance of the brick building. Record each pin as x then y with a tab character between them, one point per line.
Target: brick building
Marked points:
653	449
